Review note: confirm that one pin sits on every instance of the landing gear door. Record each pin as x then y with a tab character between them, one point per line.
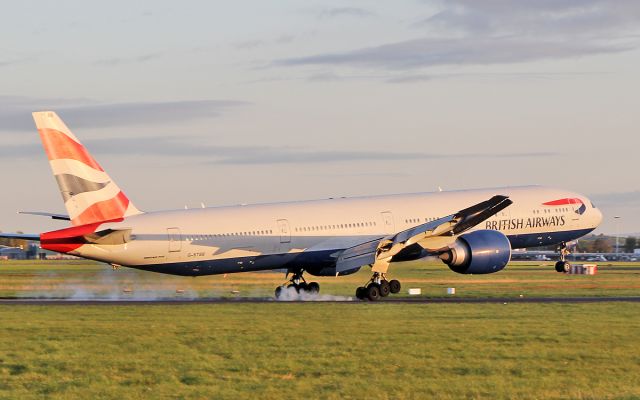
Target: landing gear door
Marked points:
388	225
284	231
175	240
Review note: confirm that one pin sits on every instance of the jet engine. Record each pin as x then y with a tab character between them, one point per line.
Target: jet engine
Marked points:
478	252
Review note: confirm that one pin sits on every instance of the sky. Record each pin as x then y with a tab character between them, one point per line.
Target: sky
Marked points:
223	103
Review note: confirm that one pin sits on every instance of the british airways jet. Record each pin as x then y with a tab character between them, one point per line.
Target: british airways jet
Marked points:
471	231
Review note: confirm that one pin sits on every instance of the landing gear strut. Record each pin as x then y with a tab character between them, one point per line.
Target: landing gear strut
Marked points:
563	265
377	287
299	284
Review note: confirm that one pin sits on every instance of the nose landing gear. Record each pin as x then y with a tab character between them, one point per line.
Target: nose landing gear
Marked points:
377	287
563	265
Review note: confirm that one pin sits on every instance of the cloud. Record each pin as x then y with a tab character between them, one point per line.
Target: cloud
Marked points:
116	61
410	78
345	12
469	32
324	77
14	61
7	63
587	18
285	38
249	44
197	148
15	112
472	51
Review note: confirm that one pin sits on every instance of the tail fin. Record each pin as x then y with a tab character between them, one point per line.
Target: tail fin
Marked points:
89	194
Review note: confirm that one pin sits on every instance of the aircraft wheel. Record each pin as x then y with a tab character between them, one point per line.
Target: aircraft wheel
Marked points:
385	288
296	287
278	292
394	286
560	266
303	287
361	293
567	267
313	287
373	292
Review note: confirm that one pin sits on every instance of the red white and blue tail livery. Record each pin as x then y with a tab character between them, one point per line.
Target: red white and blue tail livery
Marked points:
89	194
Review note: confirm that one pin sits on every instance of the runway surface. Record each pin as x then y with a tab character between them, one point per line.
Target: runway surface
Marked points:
391	300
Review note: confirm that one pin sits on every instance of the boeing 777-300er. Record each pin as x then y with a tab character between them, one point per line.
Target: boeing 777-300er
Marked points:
471	231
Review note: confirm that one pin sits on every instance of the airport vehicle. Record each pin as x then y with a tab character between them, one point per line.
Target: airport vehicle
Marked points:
471	231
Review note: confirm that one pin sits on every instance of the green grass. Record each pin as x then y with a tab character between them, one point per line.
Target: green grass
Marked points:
321	350
318	350
81	279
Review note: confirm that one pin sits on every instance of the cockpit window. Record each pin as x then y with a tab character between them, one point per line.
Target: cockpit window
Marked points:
592	205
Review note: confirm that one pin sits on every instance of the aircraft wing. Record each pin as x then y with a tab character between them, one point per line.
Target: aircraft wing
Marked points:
432	236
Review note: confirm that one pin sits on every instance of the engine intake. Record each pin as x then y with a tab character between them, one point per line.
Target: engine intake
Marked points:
478	252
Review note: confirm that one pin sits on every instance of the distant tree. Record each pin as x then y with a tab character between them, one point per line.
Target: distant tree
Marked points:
14	242
4	241
630	244
601	245
585	246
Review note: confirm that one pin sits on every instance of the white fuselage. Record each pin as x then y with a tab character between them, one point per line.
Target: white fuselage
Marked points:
309	234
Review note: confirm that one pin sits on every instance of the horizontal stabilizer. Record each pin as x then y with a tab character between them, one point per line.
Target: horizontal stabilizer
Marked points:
63	217
23	236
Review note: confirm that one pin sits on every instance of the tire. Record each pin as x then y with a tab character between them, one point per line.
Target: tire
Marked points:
560	266
296	287
361	293
385	289
313	287
373	292
303	287
394	286
567	267
278	292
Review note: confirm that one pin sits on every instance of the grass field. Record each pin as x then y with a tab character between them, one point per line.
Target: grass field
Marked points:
329	350
84	279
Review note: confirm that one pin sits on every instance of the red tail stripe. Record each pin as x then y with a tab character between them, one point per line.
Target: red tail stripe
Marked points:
562	202
103	210
58	146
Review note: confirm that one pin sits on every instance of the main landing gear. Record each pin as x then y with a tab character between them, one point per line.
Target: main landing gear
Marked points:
563	265
299	284
378	287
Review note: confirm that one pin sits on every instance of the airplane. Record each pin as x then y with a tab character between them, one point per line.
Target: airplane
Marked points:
471	231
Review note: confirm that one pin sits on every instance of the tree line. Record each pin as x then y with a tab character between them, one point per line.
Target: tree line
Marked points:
607	244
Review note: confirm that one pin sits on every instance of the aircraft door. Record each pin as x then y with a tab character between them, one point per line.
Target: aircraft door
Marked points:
387	219
284	231
175	239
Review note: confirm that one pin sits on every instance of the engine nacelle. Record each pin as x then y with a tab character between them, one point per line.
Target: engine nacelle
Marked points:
478	252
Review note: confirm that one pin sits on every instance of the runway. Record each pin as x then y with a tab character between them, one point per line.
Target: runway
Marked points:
253	300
